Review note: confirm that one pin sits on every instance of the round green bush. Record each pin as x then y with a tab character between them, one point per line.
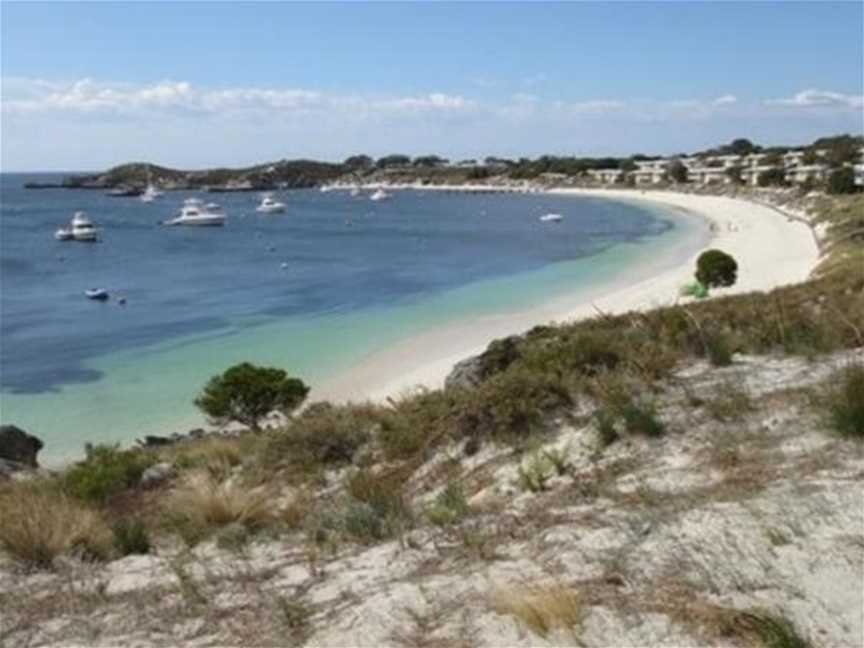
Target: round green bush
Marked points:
716	268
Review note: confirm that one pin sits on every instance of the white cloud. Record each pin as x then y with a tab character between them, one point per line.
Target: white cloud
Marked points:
88	96
725	100
813	97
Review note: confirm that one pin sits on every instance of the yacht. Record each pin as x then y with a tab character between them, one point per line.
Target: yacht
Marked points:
98	294
79	229
150	193
550	218
379	194
270	206
195	212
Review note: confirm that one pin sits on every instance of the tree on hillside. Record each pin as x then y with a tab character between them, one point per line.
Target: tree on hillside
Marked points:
627	166
395	160
742	146
359	163
246	393
842	181
677	172
429	161
716	268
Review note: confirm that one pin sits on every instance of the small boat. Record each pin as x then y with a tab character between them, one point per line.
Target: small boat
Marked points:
355	191
269	205
79	229
195	212
550	218
379	194
325	188
98	294
64	234
150	193
124	191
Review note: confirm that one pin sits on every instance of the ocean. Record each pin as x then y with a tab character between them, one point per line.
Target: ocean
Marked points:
313	290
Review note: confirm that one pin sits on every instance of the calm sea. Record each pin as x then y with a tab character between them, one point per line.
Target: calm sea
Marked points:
312	290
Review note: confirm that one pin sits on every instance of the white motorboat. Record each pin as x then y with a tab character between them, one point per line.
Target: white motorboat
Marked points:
550	218
150	193
195	212
379	194
269	205
79	229
98	294
355	191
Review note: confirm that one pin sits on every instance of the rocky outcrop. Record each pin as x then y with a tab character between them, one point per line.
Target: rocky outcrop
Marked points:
18	447
472	371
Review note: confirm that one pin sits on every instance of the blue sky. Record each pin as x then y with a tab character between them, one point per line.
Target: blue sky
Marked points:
87	85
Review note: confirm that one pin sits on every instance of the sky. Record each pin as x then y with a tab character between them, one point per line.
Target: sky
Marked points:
196	84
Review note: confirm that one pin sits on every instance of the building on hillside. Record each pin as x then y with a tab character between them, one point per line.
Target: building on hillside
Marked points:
606	176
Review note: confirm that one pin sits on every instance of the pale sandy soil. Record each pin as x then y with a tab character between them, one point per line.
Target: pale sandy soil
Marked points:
771	250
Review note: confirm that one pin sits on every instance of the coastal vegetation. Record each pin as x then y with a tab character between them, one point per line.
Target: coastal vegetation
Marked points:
716	268
246	394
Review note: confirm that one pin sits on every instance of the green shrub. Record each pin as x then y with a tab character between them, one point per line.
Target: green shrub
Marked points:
106	471
450	506
378	509
131	537
324	434
718	349
845	402
770	630
716	268
511	405
641	418
534	473
246	393
605	422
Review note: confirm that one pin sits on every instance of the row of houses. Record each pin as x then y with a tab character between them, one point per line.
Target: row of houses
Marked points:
716	169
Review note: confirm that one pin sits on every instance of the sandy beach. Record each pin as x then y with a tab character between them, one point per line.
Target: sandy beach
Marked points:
771	250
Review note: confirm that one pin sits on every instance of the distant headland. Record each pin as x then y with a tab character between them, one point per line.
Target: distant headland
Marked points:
739	162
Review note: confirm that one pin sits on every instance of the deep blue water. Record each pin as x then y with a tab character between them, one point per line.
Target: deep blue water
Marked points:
343	254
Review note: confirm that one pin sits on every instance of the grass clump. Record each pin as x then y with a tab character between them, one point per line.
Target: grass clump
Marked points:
770	630
450	507
641	418
203	504
534	473
106	471
375	510
37	525
845	402
541	608
131	537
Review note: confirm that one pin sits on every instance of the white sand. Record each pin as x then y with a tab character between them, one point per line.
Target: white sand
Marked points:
771	250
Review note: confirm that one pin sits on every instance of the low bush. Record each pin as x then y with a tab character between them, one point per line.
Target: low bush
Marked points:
105	472
377	509
845	401
38	524
641	418
131	537
324	434
450	507
511	405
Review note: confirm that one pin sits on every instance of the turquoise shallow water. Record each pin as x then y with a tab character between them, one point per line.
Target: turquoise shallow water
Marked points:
146	385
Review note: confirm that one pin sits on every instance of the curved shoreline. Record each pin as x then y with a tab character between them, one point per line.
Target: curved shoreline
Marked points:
771	248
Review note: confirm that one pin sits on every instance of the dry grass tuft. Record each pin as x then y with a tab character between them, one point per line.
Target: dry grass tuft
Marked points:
37	525
542	608
203	503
